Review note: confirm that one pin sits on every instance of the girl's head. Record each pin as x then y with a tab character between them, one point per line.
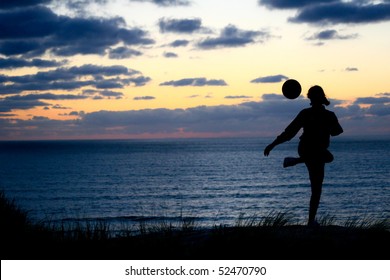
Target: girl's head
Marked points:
317	96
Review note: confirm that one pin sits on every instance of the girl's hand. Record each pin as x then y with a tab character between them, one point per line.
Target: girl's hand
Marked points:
268	149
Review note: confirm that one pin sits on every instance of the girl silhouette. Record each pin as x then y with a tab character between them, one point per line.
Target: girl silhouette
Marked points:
318	125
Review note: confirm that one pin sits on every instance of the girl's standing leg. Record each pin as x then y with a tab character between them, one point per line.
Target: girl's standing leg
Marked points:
316	174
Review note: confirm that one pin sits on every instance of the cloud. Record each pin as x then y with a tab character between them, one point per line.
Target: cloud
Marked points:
10	4
29	101
333	11
291	4
379	110
340	12
76	113
378	100
246	117
7	105
31	22
196	82
267	117
179	43
231	36
71	78
238	97
35	30
44	96
97	94
331	34
170	55
351	69
123	52
270	79
144	98
59	107
12	63
180	25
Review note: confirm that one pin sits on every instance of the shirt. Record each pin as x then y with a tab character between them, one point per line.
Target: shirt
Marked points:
318	125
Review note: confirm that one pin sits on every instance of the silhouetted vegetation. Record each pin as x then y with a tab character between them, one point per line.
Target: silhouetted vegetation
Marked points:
273	236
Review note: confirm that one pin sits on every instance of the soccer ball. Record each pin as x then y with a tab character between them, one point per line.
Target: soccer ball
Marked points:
291	89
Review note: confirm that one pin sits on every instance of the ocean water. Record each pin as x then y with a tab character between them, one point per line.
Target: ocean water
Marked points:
212	181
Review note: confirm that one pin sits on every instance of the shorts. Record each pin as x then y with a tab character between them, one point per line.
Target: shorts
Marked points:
310	153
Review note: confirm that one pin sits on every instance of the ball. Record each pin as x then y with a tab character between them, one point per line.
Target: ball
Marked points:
291	89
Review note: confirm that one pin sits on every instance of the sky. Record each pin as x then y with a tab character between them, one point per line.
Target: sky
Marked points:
143	69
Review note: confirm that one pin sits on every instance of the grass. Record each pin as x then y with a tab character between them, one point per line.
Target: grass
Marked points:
12	216
272	219
273	236
368	222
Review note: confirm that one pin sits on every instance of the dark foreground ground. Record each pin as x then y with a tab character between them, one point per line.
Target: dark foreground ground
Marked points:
273	243
275	240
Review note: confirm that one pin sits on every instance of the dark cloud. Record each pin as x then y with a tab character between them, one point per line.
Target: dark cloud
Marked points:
123	52
180	25
59	107
91	69
76	113
111	94
379	110
270	79
40	128
28	23
179	43
231	36
10	4
43	96
333	11
101	94
214	119
238	97
144	98
6	115
94	36
12	63
29	101
137	81
196	82
21	47
291	4
77	77
378	100
35	30
170	55
368	114
331	34
268	117
7	105
343	12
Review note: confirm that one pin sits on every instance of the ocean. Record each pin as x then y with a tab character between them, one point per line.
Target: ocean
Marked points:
209	181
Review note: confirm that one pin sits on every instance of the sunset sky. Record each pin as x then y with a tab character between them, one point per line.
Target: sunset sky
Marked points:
101	69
